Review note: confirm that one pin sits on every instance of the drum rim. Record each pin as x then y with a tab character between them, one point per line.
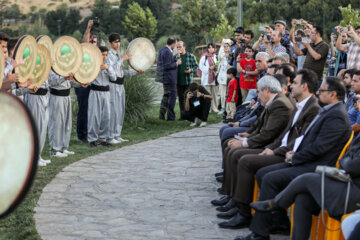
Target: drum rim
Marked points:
33	163
132	42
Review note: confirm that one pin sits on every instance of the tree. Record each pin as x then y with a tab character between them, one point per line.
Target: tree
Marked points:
199	16
39	28
139	22
64	20
222	30
350	16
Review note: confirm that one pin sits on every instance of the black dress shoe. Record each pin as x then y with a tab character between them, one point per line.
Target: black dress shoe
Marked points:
253	236
236	222
221	201
93	144
229	214
220	179
229	205
219	174
264	206
219	190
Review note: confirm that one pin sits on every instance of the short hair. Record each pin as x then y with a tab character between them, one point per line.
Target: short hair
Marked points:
283	55
239	30
282	79
249	32
103	49
319	30
182	43
193	86
264	55
249	47
356	72
309	77
275	66
11	44
358	27
351	72
232	71
289	70
270	82
113	37
171	40
337	85
4	37
211	45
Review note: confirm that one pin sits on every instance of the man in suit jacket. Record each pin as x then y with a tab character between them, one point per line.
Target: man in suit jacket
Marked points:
305	191
267	127
321	144
166	73
243	165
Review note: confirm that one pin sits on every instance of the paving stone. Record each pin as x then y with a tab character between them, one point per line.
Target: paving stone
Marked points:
158	189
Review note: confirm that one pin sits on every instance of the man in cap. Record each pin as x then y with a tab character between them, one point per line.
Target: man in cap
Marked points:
117	90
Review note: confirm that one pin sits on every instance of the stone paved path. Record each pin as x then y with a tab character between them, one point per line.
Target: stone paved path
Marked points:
159	189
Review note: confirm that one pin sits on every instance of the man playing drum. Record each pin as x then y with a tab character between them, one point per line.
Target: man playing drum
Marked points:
117	90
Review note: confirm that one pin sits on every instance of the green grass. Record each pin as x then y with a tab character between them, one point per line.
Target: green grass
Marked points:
21	224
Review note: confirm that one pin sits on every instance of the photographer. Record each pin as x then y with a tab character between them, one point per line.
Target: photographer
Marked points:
197	105
352	49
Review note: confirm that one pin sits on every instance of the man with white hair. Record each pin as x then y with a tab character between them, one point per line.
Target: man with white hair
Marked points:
261	61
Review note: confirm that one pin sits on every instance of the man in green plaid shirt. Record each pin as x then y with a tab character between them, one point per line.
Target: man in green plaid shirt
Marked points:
186	71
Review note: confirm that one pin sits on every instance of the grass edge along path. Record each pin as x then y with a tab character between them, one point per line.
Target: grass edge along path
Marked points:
20	224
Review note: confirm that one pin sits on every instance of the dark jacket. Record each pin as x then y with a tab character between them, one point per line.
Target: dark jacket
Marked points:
325	139
271	122
307	114
166	69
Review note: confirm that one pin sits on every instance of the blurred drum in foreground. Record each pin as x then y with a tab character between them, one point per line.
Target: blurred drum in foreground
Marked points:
19	151
142	53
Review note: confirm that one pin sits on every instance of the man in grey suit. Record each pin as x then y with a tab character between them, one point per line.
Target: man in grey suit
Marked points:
244	163
321	144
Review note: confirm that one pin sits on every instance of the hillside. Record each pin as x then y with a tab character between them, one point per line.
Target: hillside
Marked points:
83	5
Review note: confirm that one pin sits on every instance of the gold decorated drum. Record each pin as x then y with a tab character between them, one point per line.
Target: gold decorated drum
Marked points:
46	41
91	61
142	53
2	66
25	50
19	152
42	67
67	55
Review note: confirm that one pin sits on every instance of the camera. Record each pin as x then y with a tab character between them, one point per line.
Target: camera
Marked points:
298	39
344	29
96	22
268	37
194	94
298	21
262	29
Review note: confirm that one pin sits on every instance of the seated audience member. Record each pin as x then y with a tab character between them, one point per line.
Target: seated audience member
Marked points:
307	194
354	114
197	105
268	126
289	70
321	144
283	56
261	61
243	166
272	69
347	77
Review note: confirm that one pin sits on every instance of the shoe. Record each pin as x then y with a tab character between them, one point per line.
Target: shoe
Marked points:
221	201
45	161
280	223
68	152
219	174
122	140
41	163
59	154
229	214
93	144
105	144
220	179
264	206
229	205
236	222
226	121
221	112
253	236
203	124
83	140
194	123
114	141
219	190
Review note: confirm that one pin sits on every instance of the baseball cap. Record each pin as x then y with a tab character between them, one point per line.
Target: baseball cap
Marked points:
281	22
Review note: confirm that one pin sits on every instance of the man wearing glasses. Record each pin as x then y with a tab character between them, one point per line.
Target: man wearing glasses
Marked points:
352	48
315	52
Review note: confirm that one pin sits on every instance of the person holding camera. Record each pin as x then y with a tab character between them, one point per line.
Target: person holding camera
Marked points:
197	105
352	49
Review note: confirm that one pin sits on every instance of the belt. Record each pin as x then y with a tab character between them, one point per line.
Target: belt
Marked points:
40	92
119	81
99	88
62	93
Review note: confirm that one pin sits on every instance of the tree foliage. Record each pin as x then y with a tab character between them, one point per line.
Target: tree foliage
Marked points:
139	22
199	16
65	20
350	16
222	30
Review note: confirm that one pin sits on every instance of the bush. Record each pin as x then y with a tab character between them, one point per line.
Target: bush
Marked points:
140	95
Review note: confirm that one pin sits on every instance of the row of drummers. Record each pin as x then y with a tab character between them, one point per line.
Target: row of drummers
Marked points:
33	60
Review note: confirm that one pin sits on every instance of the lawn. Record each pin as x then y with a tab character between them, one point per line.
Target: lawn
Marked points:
20	224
